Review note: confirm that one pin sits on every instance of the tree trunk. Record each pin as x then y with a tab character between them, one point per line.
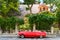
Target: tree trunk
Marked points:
16	29
52	30
34	27
59	25
30	11
30	7
0	30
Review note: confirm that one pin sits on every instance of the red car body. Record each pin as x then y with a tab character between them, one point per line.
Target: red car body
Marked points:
32	34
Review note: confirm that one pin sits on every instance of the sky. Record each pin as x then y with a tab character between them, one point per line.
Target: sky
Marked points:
21	1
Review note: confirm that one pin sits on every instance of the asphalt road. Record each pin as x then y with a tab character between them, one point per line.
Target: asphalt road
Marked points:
15	38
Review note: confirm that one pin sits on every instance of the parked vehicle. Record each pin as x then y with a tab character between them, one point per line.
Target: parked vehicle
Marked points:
23	34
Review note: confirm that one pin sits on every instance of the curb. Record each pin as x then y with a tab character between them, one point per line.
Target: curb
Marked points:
51	35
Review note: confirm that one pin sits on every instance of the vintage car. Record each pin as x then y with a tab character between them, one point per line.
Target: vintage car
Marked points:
28	34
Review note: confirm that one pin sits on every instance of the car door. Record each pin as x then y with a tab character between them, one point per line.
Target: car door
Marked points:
37	34
32	34
27	34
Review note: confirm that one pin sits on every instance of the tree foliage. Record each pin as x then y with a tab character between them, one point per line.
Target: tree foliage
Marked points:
10	22
7	6
43	20
49	1
56	2
58	17
29	3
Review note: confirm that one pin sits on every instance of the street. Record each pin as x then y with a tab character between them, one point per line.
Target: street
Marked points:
15	38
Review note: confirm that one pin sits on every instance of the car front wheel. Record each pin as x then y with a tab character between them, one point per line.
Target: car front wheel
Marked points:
21	36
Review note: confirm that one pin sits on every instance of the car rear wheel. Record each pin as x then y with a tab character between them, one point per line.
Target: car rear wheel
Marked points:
21	36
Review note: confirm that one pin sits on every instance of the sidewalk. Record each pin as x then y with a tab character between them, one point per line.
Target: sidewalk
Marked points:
15	35
51	35
8	35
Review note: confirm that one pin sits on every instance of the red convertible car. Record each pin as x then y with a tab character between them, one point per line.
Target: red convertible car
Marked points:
28	34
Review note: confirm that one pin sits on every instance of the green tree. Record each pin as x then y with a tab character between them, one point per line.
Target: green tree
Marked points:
58	17
56	2
29	4
2	23
7	6
12	21
43	20
9	23
49	1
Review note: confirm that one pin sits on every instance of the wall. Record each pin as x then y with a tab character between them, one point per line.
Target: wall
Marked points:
24	11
